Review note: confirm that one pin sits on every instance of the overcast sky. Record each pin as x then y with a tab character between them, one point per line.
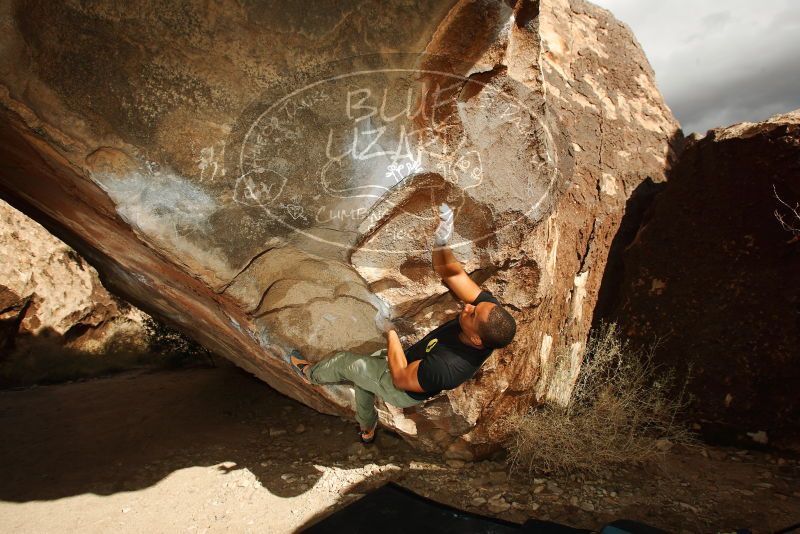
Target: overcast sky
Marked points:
719	62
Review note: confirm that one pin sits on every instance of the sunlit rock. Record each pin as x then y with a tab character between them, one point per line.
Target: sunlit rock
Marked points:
265	177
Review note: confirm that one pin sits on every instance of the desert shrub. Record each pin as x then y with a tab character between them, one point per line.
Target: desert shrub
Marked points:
789	217
46	359
174	349
618	408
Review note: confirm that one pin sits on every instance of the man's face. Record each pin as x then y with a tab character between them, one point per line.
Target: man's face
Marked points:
471	316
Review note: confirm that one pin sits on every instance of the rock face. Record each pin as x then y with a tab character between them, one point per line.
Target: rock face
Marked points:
713	276
265	177
51	299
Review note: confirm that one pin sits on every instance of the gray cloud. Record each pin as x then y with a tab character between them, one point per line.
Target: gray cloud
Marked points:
716	20
741	96
716	66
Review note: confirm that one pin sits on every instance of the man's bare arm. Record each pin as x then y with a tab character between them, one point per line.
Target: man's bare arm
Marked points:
453	275
404	375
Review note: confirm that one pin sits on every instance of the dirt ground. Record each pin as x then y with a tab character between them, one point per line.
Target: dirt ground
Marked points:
214	449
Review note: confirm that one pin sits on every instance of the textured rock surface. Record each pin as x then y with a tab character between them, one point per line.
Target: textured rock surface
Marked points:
50	298
226	170
713	276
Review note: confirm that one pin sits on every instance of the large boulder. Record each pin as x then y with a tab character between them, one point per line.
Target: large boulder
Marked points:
53	306
265	176
711	279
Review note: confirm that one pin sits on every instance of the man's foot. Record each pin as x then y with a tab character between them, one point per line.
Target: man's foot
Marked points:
368	436
300	365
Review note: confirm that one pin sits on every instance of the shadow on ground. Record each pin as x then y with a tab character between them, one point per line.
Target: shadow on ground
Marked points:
137	439
130	431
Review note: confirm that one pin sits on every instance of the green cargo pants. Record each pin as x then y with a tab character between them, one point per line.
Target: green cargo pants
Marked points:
370	375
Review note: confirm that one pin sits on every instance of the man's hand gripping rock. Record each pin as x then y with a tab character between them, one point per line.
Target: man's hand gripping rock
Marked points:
445	229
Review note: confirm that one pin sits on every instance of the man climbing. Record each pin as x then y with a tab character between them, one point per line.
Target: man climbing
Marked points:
445	358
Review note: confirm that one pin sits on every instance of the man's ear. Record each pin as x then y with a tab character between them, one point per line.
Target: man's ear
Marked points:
476	339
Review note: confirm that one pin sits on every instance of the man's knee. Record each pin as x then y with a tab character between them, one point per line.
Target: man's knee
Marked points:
358	367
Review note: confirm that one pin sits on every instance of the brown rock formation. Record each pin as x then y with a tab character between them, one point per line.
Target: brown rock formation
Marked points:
713	276
225	169
51	299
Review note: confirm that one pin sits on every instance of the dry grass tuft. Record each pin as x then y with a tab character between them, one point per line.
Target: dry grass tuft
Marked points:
789	221
620	410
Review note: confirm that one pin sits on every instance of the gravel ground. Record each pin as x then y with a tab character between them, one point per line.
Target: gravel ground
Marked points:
212	450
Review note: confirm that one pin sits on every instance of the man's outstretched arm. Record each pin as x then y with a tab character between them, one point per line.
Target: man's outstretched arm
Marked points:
453	275
404	374
445	263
